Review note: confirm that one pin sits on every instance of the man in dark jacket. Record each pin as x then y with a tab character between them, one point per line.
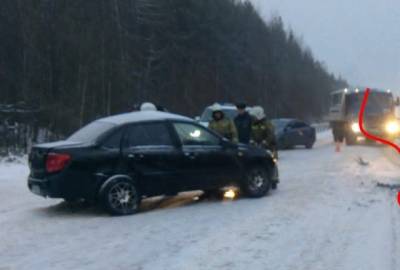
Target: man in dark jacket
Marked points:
243	123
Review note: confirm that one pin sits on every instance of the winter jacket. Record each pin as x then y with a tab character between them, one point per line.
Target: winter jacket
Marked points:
263	133
225	128
243	125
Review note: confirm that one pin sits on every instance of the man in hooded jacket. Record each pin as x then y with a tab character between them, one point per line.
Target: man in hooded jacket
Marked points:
222	125
263	132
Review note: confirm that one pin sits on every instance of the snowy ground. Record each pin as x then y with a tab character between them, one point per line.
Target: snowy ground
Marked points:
327	214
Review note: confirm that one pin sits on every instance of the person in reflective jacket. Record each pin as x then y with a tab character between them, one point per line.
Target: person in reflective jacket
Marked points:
262	131
221	125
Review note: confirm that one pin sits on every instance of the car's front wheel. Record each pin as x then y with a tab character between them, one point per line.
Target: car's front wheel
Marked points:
309	145
256	182
120	196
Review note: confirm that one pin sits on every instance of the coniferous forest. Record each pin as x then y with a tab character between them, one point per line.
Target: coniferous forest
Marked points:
74	61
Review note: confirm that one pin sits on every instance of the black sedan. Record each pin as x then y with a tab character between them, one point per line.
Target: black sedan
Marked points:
119	160
291	132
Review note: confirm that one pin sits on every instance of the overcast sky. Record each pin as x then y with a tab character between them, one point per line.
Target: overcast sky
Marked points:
358	39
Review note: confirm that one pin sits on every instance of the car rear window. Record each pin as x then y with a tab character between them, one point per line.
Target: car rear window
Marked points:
113	141
148	134
91	132
298	125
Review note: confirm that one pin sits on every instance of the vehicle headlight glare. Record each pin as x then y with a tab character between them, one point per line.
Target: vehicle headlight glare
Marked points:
392	127
356	128
230	194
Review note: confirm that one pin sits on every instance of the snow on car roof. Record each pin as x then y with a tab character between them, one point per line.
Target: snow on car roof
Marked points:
225	107
142	116
283	119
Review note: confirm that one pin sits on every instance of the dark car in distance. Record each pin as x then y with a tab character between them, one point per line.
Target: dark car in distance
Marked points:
292	132
118	160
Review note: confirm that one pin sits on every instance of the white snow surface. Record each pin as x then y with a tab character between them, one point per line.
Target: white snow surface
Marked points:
327	214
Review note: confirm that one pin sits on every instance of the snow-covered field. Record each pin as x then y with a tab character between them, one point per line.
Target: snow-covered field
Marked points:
327	214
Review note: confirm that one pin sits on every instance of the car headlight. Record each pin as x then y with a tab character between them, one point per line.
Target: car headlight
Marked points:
355	127
392	127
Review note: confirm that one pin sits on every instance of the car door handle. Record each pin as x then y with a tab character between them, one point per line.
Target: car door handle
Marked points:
136	157
190	155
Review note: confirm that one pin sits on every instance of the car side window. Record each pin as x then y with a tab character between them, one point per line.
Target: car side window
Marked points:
297	125
190	134
113	141
148	134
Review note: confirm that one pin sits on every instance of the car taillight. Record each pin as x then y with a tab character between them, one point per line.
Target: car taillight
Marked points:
56	162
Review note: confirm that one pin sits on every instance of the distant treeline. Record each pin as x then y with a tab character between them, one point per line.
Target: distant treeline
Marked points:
82	59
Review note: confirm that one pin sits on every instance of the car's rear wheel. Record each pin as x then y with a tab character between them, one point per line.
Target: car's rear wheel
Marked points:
309	145
256	182
120	196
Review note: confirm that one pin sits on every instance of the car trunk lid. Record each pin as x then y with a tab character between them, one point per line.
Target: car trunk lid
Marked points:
38	155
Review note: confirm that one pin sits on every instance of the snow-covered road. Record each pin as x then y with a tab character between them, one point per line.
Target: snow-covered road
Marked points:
328	214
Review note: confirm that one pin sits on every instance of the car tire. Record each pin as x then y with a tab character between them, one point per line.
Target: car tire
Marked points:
256	182
120	196
309	145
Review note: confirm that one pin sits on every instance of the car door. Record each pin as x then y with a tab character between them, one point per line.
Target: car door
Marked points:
151	153
308	133
291	134
205	161
301	132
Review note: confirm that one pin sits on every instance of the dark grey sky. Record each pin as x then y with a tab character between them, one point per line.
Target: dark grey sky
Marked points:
359	39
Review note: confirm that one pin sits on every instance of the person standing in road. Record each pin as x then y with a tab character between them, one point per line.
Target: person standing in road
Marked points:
262	131
221	125
338	131
243	123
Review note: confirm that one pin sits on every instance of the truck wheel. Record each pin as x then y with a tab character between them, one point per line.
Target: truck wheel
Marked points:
256	182
120	196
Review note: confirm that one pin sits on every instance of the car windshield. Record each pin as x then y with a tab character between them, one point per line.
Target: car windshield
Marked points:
229	113
91	132
279	124
378	103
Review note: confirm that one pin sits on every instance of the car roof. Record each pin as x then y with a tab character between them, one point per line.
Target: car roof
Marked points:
229	107
225	107
284	119
142	116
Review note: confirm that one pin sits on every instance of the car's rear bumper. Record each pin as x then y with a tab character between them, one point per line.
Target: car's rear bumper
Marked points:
44	187
63	185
